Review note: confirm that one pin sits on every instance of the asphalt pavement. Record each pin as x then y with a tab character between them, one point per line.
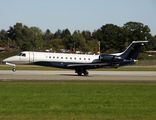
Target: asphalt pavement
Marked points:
27	75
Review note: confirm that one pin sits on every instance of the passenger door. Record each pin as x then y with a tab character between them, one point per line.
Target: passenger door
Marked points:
31	56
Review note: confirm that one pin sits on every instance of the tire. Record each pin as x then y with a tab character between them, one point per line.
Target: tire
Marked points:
79	73
14	70
86	73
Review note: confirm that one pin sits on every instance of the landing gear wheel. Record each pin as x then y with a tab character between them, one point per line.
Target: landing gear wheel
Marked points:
14	70
79	73
81	70
86	73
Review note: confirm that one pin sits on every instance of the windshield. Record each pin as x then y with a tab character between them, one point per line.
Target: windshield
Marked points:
19	54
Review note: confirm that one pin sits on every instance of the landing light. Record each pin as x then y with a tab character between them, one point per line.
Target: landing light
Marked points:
135	60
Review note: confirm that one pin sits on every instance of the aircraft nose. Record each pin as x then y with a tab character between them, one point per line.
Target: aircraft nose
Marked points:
6	60
3	61
12	59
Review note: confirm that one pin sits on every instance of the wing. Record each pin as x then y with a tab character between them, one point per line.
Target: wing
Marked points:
91	65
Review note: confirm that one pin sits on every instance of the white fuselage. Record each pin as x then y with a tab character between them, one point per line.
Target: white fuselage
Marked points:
28	57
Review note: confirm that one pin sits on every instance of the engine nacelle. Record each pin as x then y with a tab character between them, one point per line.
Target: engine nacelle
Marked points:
110	59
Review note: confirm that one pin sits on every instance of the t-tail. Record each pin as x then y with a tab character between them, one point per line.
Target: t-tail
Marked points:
133	50
128	57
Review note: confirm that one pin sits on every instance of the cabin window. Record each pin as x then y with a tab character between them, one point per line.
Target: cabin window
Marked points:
79	58
71	58
75	58
19	54
61	57
84	58
57	57
66	57
24	55
88	58
49	56
54	57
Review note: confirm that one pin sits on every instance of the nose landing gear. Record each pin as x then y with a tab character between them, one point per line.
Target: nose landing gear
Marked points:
14	69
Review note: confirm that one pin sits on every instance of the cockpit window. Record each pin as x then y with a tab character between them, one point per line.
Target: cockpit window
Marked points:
23	55
19	54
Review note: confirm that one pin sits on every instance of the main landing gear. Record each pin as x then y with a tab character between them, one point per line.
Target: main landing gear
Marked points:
86	73
80	71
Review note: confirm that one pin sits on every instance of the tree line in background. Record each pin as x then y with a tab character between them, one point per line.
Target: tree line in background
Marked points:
112	37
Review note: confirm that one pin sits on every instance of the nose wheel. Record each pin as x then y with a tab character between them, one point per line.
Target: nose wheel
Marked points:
14	70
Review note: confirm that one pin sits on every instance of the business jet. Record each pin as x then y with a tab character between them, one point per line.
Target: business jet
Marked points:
79	62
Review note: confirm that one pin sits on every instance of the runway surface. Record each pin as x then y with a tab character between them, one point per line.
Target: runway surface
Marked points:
8	75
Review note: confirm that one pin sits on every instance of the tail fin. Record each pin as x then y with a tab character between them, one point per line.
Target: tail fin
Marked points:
133	50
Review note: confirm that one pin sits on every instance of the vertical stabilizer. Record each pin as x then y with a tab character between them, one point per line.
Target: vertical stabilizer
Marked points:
133	50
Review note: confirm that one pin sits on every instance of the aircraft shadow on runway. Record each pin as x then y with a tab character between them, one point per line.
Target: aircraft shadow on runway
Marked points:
74	75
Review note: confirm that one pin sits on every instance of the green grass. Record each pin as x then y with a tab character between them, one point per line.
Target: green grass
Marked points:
78	100
31	68
101	69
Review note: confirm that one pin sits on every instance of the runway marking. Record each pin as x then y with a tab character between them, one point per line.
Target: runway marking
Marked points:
47	73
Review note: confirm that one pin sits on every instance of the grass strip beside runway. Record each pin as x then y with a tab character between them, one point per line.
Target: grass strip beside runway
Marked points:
78	100
100	69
